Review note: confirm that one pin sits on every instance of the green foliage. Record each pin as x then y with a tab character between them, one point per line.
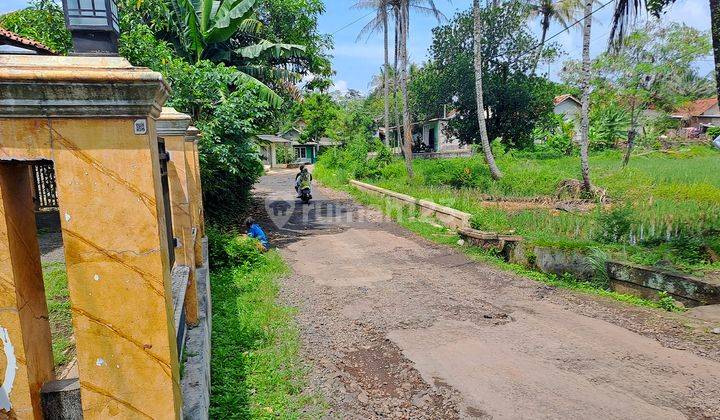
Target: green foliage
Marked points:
319	113
60	318
518	102
608	124
256	369
598	259
227	109
667	302
284	154
713	132
653	68
359	159
228	249
689	247
43	21
614	225
556	137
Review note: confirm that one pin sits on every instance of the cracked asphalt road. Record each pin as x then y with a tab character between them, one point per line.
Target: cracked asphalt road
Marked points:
398	327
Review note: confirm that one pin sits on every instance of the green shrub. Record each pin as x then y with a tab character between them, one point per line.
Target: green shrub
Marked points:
229	249
608	125
689	247
614	225
667	302
713	132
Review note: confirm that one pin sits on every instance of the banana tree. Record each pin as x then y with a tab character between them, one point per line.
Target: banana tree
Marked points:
207	28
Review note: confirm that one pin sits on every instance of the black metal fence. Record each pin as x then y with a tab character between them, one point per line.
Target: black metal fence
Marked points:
45	189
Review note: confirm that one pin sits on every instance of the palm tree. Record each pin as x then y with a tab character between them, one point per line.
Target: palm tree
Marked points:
380	22
403	24
562	11
585	118
207	26
477	35
625	10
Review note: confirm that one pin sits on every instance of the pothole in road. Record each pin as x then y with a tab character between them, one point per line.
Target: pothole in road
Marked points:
389	384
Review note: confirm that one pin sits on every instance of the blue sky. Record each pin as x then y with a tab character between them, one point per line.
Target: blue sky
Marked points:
356	62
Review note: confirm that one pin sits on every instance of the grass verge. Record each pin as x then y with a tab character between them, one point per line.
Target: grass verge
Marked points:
58	302
256	369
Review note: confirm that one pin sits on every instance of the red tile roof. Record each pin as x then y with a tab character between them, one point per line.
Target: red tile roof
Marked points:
11	38
562	98
697	108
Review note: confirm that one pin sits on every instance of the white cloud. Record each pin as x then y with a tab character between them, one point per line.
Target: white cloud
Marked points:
340	86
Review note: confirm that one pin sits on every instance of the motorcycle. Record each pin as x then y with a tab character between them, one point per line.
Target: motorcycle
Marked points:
305	195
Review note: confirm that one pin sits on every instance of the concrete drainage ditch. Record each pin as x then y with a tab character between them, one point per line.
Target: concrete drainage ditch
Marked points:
624	277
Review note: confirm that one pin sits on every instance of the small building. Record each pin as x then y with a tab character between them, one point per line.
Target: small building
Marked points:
434	136
306	152
568	106
269	145
699	114
12	43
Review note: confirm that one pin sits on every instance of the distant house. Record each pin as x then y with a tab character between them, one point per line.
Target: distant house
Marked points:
433	134
699	114
568	106
307	152
12	43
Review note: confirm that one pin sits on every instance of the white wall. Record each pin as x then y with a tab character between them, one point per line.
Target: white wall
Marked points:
568	108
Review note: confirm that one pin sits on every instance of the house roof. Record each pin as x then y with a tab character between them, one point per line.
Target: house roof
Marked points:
562	98
696	108
15	40
270	138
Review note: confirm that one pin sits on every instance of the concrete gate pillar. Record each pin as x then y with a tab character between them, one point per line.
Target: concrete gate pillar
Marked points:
195	191
94	118
172	126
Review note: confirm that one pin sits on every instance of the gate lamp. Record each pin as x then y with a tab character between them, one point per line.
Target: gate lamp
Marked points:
93	25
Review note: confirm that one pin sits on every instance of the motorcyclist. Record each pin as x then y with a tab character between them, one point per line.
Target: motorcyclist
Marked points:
303	180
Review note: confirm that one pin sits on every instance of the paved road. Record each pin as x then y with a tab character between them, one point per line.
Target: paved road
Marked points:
396	326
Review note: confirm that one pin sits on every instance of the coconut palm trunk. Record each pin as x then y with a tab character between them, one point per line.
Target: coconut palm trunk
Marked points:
477	34
585	119
386	79
407	125
545	27
396	80
715	30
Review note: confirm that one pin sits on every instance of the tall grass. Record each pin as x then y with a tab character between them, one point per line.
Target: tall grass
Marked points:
669	194
256	369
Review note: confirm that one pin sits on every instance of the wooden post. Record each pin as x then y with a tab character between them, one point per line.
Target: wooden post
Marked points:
24	326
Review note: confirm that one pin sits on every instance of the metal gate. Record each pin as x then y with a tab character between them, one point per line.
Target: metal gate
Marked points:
45	196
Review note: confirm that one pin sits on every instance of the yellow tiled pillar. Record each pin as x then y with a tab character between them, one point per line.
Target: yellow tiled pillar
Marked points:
116	251
24	328
172	126
93	117
195	191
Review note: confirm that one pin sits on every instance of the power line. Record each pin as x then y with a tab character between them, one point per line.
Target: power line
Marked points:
352	23
567	28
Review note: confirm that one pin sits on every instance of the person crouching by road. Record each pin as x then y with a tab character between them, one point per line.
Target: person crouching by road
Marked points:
255	231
